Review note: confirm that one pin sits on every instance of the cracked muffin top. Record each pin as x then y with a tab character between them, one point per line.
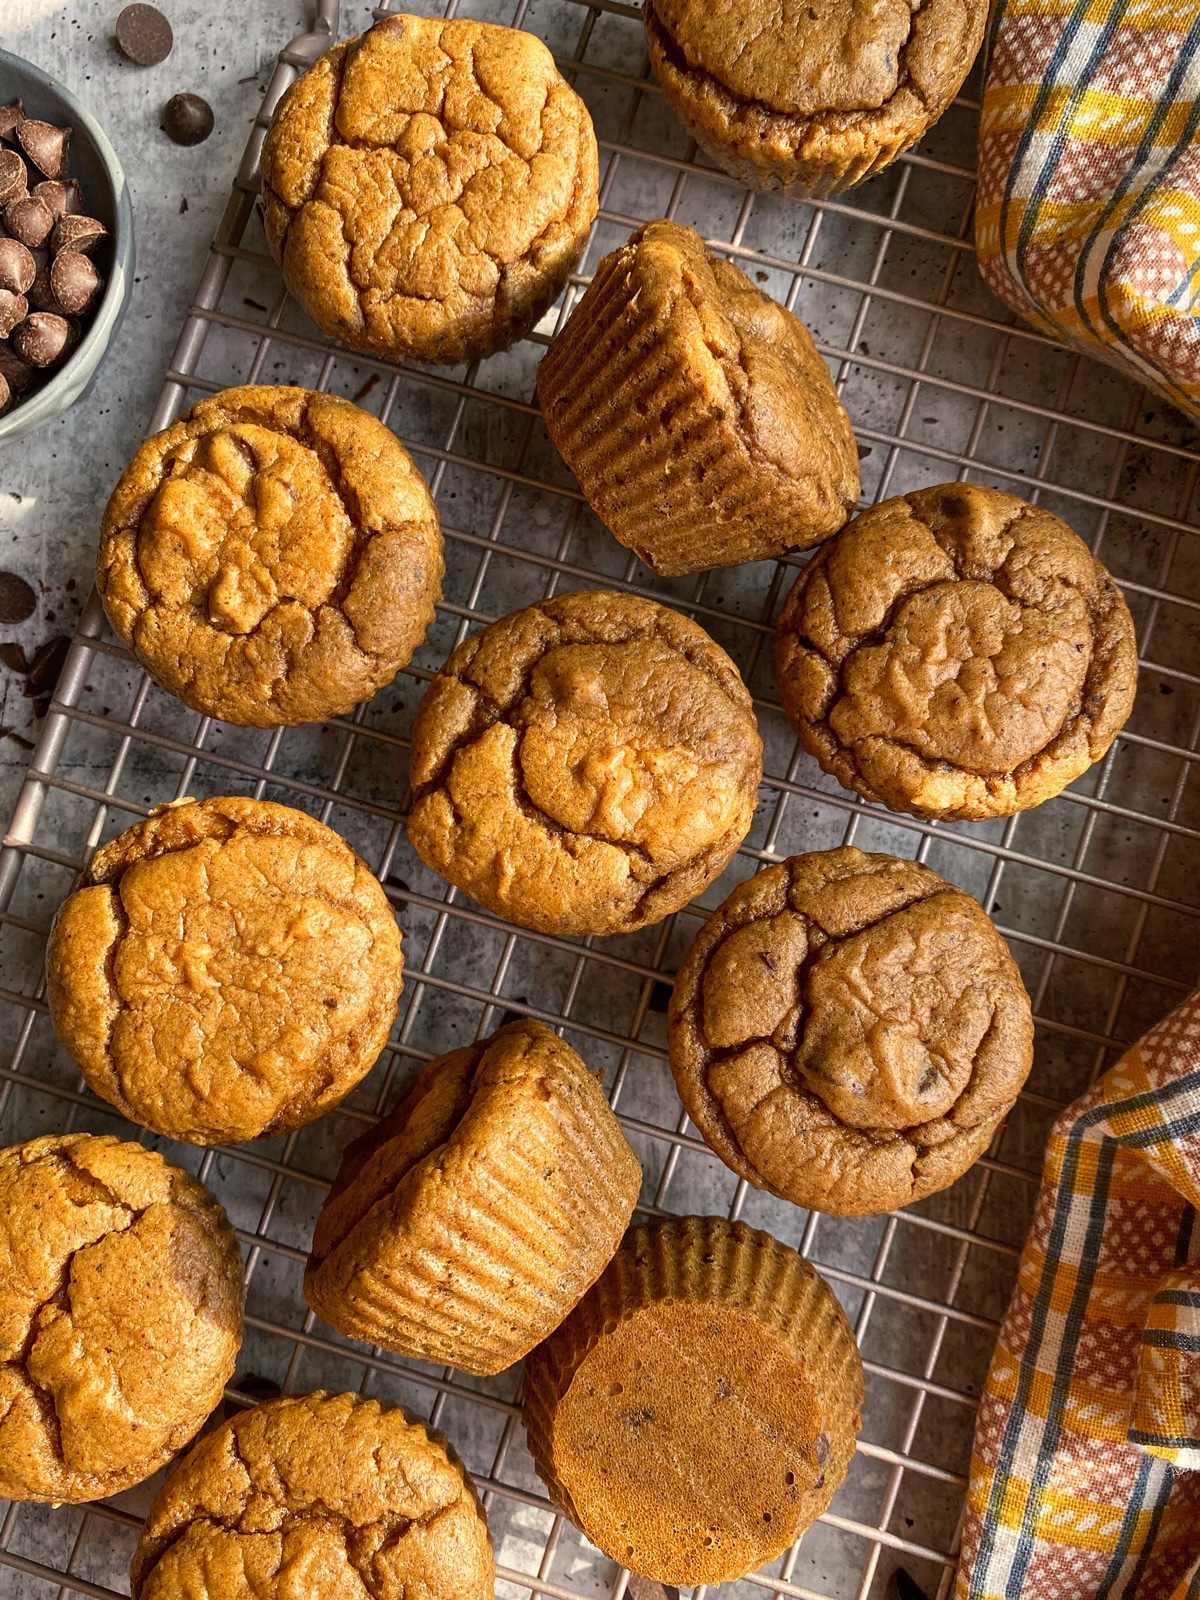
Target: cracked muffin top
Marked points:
849	1031
273	557
956	653
316	1495
697	414
811	94
428	187
120	1314
228	970
585	765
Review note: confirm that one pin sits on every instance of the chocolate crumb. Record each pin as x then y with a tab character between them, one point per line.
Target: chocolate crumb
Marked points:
17	599
187	119
144	35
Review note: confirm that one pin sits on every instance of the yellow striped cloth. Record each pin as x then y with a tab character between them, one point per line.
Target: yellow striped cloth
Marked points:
1088	214
1083	1480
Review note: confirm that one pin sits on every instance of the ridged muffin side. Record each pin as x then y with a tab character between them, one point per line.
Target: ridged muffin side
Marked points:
698	1409
467	1224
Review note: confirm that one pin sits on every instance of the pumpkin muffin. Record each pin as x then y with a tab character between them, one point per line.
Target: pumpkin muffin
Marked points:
465	1226
956	653
701	422
698	1409
810	99
585	765
121	1300
317	1495
228	970
849	1031
271	558
428	187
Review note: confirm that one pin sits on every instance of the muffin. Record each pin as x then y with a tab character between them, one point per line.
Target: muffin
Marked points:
698	1408
228	970
702	424
585	765
813	99
311	1495
849	1031
121	1302
428	188
272	558
465	1226
956	653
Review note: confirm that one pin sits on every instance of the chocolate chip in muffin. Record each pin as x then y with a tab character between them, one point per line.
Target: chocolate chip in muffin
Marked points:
956	653
849	1031
46	145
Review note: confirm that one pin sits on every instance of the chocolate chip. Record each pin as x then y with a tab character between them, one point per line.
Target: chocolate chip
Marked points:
41	295
13	656
47	664
187	119
5	401
73	232
29	220
14	308
144	35
17	266
9	117
17	374
45	145
14	178
74	281
62	195
43	339
903	1587
640	1588
17	600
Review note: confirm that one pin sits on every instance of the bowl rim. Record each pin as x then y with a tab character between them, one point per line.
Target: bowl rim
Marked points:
116	293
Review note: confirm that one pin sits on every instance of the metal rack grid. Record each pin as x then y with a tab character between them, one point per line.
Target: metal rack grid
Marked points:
1098	891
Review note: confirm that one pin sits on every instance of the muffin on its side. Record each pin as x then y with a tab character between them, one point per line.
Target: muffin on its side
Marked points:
428	187
272	558
466	1225
956	653
698	1408
585	765
317	1495
849	1031
228	970
121	1300
701	422
810	99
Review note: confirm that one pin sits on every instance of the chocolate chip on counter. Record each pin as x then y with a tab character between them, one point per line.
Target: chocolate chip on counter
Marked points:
45	145
17	600
46	665
13	656
17	266
29	220
14	178
14	308
187	119
74	281
17	374
9	117
73	232
43	339
62	195
144	35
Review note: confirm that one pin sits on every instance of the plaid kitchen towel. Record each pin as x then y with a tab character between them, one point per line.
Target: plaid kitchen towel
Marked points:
1088	214
1082	1480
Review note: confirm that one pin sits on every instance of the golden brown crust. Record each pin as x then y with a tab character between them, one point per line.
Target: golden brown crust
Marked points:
698	1409
228	970
700	420
956	653
428	187
585	765
466	1225
121	1301
811	98
273	557
849	1031
317	1495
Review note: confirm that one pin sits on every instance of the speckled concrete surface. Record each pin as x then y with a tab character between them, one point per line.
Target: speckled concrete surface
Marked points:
53	485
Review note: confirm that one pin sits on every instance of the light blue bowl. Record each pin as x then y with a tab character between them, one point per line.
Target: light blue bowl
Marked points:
94	162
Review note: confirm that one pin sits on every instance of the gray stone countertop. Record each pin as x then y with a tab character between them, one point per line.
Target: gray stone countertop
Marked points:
54	483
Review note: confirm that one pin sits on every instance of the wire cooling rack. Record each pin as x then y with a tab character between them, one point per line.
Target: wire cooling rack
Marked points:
1098	891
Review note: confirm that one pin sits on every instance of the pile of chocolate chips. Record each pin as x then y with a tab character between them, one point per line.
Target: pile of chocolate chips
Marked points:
48	281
